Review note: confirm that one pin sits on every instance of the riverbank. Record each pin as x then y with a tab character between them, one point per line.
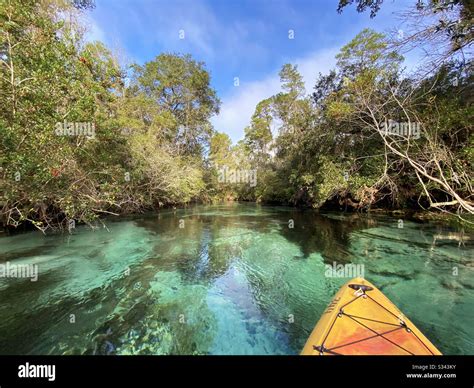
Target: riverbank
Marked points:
466	222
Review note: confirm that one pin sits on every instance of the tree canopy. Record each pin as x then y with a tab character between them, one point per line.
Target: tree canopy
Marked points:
83	135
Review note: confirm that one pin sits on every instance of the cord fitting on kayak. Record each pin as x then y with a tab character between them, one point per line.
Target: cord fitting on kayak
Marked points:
360	287
320	349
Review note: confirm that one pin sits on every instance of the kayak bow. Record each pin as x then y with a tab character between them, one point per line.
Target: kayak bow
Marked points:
361	320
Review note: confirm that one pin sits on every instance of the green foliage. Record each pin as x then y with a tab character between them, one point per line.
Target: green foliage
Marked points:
180	85
329	150
259	134
153	145
162	177
148	135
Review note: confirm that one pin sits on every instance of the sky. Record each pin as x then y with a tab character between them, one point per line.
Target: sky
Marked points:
243	43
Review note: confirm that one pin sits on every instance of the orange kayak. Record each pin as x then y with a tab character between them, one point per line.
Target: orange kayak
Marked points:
361	320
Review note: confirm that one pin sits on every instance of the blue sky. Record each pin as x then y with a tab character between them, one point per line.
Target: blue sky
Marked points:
248	39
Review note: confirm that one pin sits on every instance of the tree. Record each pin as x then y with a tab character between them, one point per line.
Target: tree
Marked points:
181	86
144	140
336	148
258	135
445	26
376	96
362	5
220	149
44	83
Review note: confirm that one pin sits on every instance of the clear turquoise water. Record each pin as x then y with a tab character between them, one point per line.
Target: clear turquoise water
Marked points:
235	279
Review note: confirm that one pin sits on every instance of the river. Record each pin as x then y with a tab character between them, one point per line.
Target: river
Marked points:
226	279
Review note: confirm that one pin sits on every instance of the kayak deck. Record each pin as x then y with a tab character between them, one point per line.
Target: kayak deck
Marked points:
361	320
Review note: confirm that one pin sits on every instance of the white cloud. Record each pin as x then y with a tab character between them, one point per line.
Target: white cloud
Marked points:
93	31
204	33
238	106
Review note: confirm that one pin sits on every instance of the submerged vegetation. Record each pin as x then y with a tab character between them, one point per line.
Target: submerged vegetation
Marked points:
237	279
137	137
